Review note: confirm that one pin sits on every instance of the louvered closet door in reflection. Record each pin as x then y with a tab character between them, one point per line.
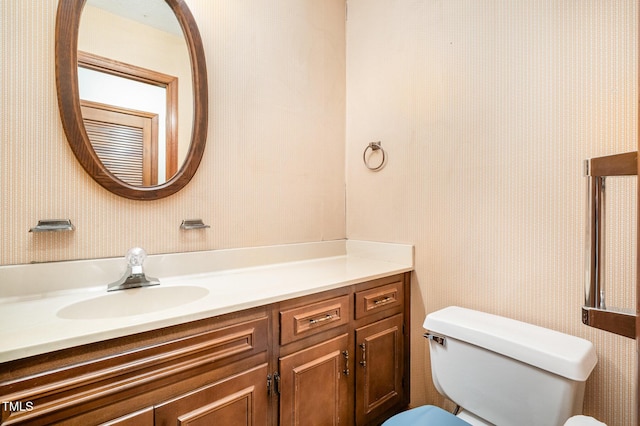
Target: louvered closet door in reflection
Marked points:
126	141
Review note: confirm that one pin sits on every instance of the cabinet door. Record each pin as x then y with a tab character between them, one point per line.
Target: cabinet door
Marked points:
239	400
379	367
314	385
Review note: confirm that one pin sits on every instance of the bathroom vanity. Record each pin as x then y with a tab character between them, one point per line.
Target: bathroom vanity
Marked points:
332	351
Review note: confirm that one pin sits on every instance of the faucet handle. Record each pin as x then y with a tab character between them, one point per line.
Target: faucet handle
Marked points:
134	276
135	258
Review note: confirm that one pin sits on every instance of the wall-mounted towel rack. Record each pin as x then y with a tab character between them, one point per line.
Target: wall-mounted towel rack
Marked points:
595	312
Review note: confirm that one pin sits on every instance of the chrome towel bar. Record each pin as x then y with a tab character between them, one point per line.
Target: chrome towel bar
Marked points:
595	312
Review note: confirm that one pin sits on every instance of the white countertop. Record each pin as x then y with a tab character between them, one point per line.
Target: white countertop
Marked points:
31	323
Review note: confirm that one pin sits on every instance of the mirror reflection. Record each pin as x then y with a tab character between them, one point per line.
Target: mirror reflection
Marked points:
135	88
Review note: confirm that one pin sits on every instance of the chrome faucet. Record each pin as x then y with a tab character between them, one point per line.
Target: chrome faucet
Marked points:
134	276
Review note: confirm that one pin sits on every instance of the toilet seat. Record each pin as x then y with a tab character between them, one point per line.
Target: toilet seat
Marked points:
583	421
425	415
432	415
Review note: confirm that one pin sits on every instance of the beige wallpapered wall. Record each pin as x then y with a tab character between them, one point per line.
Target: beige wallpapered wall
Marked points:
487	110
273	170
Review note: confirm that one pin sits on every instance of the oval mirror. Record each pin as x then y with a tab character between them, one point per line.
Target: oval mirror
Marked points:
132	92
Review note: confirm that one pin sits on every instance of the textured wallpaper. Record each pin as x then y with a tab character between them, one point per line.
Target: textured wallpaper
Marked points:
273	169
487	110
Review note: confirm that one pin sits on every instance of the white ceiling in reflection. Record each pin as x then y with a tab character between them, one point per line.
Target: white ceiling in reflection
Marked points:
155	13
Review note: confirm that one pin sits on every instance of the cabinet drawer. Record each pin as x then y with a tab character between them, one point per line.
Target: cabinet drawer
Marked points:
307	320
379	298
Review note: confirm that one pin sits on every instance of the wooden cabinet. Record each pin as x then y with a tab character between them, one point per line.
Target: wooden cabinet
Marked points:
381	352
112	381
240	400
314	384
338	357
323	355
379	368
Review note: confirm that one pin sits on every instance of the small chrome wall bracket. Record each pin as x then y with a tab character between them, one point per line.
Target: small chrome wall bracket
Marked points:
190	224
53	225
441	340
374	147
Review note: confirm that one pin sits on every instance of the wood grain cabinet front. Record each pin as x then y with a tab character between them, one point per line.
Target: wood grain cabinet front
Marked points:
309	319
314	385
379	369
239	400
337	357
381	298
335	375
84	388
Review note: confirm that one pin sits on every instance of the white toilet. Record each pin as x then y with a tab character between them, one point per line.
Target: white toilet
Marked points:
503	372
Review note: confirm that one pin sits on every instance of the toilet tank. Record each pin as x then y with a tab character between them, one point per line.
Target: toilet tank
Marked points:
507	372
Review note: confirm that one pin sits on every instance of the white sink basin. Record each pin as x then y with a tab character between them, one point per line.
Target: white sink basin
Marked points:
134	301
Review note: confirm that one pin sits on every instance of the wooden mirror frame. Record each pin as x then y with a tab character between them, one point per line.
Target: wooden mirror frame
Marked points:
66	51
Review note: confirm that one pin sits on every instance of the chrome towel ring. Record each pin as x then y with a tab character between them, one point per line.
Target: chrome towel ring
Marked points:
374	146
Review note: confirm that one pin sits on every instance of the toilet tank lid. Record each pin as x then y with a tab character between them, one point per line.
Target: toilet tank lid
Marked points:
559	353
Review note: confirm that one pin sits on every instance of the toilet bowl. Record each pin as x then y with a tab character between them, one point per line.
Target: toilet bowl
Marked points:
503	372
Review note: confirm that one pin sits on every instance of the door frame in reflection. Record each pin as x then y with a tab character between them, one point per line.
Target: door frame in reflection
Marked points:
143	75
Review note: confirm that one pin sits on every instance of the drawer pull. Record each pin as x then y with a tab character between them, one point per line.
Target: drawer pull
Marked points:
383	301
314	321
